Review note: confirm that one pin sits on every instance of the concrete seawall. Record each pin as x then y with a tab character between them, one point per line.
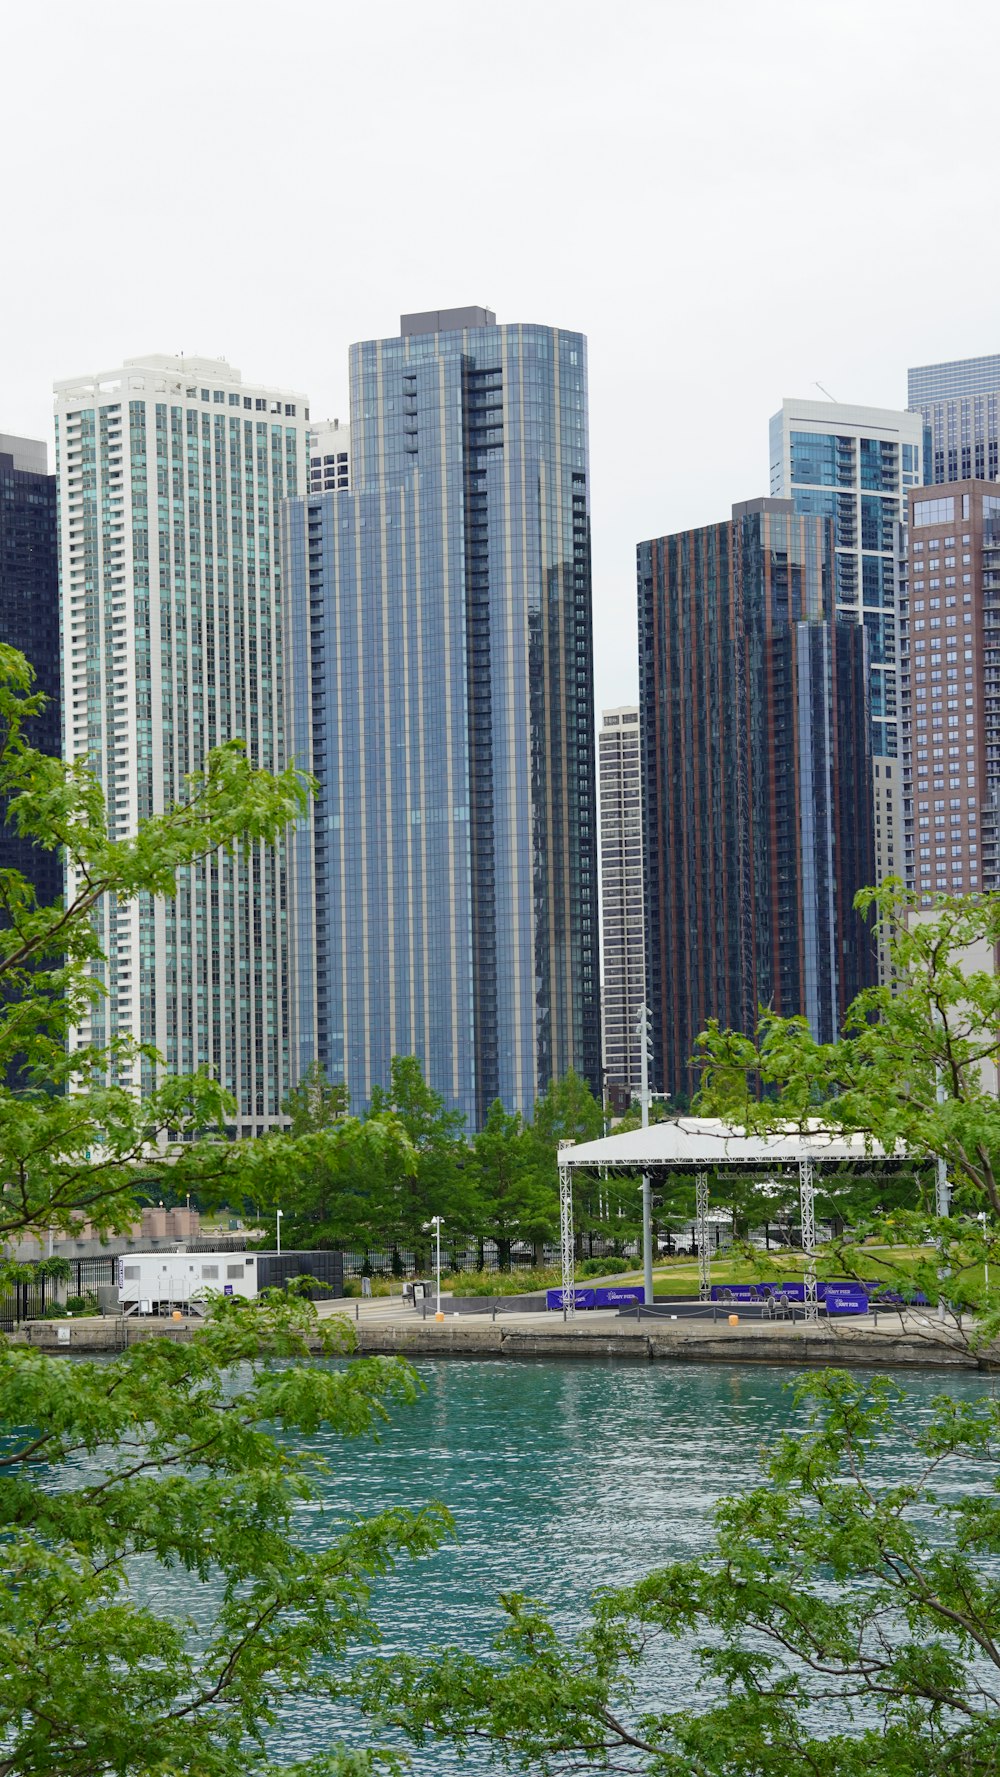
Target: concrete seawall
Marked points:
920	1345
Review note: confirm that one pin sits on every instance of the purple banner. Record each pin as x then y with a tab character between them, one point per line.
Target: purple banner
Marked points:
612	1297
846	1298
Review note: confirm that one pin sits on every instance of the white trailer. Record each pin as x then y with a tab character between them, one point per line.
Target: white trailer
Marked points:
157	1283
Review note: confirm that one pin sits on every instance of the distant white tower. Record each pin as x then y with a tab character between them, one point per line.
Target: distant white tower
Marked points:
170	471
329	456
624	968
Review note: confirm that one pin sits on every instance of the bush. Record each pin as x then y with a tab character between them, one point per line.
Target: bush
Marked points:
607	1267
82	1304
508	1283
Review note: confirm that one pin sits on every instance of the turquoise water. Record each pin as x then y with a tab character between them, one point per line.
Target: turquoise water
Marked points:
561	1478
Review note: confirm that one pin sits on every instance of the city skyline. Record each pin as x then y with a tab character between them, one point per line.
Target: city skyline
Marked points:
669	354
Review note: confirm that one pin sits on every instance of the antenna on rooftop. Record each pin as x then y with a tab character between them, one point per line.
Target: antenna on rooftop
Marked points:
825	392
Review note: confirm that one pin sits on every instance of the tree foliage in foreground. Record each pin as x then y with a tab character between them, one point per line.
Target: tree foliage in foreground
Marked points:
841	1627
915	1072
187	1459
194	1459
70	1144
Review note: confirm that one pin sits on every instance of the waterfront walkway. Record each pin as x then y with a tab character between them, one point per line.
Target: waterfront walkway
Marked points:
387	1325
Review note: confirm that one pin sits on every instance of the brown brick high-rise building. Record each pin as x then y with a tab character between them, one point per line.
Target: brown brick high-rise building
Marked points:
950	689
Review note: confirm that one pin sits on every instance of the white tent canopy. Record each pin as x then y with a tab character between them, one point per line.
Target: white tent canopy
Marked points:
698	1144
702	1142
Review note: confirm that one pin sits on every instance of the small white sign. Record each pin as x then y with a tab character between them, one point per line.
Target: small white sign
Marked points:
62	1335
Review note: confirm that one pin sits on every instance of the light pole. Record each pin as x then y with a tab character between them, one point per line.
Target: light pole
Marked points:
278	1225
435	1223
642	1032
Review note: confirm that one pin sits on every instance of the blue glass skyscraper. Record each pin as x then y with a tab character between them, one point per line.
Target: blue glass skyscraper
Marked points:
959	403
441	685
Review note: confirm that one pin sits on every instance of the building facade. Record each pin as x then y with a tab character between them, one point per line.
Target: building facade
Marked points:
623	974
959	403
329	457
950	682
29	620
856	466
440	662
757	781
170	475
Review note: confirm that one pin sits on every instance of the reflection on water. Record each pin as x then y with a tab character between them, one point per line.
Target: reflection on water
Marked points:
561	1478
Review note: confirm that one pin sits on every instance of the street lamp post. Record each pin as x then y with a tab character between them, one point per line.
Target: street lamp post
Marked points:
435	1223
278	1225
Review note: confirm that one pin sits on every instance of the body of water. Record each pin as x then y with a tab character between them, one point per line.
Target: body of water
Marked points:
562	1477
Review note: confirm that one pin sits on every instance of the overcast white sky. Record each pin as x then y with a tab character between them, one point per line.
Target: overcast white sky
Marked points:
732	200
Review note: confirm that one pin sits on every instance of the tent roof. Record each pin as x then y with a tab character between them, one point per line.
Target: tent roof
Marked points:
708	1141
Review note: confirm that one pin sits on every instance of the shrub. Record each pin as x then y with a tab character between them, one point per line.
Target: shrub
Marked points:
607	1267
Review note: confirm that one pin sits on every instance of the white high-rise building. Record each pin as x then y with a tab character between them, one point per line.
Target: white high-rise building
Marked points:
169	474
856	466
622	910
329	457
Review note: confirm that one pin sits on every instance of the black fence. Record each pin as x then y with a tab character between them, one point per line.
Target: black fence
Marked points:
25	1301
91	1274
400	1262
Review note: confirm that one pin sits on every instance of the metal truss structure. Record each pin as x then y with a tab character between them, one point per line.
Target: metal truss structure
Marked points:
566	1238
704	1250
807	1217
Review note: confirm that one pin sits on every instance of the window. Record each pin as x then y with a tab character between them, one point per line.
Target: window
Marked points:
934	511
234	1270
209	1271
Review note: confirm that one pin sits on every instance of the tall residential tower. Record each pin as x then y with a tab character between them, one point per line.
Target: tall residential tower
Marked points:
623	976
441	677
950	671
856	466
170	476
757	781
959	403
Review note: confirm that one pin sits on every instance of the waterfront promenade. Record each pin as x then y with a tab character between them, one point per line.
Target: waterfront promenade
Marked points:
387	1325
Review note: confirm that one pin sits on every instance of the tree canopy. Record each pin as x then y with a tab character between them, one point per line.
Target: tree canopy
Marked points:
179	1455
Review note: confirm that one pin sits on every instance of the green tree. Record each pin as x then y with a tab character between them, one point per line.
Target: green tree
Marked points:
570	1112
839	1626
432	1177
515	1201
567	1112
335	1185
176	1455
316	1102
71	1142
915	1073
156	1457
